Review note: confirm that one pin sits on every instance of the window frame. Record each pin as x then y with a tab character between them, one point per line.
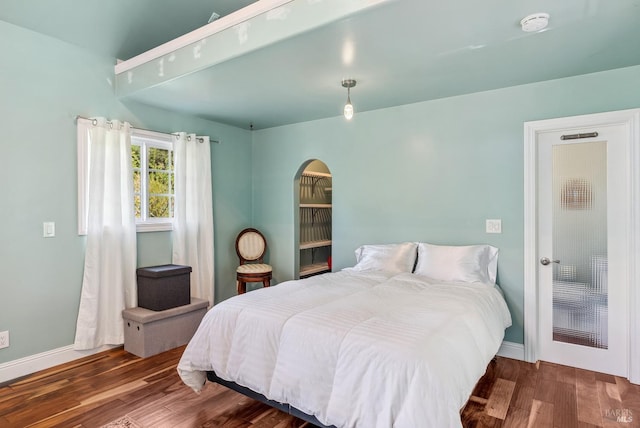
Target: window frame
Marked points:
149	138
145	139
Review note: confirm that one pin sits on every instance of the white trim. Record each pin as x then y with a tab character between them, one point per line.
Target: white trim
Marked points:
530	247
228	21
511	350
157	226
634	235
157	137
45	360
631	118
144	140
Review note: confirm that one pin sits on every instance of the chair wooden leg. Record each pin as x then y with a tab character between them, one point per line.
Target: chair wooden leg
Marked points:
242	287
266	282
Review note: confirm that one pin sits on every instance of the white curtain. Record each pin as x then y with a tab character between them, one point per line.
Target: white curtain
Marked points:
193	212
109	282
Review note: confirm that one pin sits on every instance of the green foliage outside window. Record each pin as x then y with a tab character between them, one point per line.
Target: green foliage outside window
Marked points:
160	181
137	180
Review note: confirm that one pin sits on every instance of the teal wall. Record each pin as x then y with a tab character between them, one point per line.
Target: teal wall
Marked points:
431	171
44	84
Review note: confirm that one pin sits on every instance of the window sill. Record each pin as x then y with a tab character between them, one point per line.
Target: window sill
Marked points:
154	227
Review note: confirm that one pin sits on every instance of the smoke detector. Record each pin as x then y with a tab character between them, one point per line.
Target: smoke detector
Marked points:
535	22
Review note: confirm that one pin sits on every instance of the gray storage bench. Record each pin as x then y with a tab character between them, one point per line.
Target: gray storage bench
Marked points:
148	332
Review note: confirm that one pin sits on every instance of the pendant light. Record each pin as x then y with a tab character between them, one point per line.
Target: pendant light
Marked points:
348	107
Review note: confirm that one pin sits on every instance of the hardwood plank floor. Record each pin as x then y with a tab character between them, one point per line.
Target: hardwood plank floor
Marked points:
104	387
550	395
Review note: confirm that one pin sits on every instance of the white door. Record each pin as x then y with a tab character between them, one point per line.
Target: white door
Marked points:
583	229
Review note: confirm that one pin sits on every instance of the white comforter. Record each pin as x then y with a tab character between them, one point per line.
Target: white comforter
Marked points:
355	349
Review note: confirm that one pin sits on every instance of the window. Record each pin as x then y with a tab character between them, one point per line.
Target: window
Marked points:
152	158
153	180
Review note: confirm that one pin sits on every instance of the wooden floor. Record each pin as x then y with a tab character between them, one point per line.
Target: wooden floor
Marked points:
517	394
102	388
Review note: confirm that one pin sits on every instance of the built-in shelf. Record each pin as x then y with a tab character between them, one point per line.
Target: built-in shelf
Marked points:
314	244
315	205
315	222
317	174
313	269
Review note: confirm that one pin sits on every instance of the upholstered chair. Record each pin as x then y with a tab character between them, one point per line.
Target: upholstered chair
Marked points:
251	247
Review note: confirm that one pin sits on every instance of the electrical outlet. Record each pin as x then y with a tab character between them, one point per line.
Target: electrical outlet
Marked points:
494	226
4	339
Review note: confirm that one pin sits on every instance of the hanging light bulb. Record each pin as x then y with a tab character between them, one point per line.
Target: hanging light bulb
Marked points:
348	107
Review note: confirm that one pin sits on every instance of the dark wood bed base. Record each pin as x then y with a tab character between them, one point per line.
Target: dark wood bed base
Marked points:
283	407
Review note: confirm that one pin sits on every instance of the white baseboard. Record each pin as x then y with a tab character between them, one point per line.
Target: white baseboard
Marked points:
33	363
512	350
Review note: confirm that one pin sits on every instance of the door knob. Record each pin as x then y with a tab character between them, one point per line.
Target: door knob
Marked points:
545	261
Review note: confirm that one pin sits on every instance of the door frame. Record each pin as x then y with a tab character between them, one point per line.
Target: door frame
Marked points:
631	119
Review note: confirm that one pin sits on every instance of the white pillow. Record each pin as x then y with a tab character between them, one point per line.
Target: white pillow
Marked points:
468	263
394	258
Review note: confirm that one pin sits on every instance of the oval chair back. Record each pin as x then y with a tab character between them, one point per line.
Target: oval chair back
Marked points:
251	246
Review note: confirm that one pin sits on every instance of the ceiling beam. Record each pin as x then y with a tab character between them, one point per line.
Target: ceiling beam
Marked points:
256	26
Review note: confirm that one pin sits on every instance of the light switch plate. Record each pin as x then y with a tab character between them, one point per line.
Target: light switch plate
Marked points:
4	339
48	229
494	226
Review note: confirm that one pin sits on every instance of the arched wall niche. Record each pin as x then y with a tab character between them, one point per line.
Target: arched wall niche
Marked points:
312	218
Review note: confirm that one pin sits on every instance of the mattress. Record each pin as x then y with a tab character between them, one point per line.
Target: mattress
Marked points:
355	349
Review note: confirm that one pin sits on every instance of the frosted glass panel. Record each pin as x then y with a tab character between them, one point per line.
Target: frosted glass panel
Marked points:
580	310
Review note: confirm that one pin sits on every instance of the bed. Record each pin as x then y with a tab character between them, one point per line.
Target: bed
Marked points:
389	342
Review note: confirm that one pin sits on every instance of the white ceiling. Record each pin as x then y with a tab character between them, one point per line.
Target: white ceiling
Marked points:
401	52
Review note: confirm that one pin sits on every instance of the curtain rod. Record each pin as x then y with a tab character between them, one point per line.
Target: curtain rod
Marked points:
142	129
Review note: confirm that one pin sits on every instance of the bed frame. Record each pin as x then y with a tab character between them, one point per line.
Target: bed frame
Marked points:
283	407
